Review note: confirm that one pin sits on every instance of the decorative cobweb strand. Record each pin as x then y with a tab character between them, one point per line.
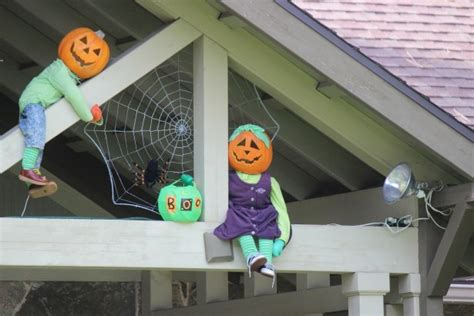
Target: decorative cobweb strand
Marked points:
246	106
150	120
114	177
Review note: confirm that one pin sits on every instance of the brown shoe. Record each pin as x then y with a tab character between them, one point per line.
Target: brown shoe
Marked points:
38	191
32	176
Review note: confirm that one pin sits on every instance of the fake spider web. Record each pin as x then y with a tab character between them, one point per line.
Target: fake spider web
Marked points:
146	140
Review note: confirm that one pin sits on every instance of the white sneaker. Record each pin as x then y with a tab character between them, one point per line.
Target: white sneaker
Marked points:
268	270
255	262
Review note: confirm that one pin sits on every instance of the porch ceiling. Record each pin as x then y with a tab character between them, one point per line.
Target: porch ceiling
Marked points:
30	33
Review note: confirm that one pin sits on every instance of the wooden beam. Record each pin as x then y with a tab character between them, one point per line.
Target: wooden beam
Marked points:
70	199
351	208
451	195
73	200
467	262
460	294
12	79
307	302
145	245
231	20
320	150
291	178
55	18
125	16
365	138
299	39
85	275
23	36
451	249
312	280
66	275
111	81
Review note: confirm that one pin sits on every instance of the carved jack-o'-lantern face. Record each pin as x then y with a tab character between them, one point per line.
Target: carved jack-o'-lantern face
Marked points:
248	154
84	52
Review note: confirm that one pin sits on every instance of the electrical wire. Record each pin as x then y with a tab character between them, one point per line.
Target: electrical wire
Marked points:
407	221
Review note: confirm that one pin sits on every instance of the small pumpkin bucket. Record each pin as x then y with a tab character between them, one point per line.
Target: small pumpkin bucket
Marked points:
180	203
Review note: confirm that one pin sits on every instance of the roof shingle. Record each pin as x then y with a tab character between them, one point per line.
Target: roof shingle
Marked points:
428	44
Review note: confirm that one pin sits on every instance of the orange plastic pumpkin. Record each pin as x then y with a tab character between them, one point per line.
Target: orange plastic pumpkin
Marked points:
248	154
84	52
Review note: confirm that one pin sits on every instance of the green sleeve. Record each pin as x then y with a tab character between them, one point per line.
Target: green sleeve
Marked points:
278	202
62	81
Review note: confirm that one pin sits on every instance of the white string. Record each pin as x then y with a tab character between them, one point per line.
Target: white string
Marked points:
26	204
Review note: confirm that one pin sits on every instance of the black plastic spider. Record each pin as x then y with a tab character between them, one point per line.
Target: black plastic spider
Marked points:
152	174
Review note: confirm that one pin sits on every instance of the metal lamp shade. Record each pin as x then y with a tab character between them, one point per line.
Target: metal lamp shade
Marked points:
399	183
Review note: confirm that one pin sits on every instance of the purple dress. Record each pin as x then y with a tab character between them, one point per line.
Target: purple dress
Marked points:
250	210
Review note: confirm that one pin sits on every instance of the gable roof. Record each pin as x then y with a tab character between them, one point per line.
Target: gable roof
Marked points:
427	44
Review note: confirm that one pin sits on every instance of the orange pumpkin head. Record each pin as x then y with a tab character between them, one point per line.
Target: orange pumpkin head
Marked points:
84	52
249	153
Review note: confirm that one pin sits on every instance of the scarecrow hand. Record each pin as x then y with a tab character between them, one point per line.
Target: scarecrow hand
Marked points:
278	247
96	115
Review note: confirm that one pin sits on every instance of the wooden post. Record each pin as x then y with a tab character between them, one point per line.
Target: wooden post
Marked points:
365	292
409	287
157	291
312	280
258	285
210	149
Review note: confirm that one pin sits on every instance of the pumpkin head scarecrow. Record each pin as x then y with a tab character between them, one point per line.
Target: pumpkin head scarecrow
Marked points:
83	53
257	213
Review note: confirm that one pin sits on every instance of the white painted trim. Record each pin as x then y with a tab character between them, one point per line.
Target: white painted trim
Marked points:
104	86
144	245
460	294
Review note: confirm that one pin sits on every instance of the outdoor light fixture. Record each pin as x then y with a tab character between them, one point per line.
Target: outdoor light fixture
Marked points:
401	183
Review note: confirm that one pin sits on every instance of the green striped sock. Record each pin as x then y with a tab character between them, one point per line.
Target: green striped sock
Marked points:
247	243
266	248
30	155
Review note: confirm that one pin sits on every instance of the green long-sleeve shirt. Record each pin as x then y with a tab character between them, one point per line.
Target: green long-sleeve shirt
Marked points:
54	82
276	197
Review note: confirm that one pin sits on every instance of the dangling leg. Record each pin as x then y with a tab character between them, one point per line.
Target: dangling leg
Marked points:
266	247
30	157
38	191
33	126
254	259
39	159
